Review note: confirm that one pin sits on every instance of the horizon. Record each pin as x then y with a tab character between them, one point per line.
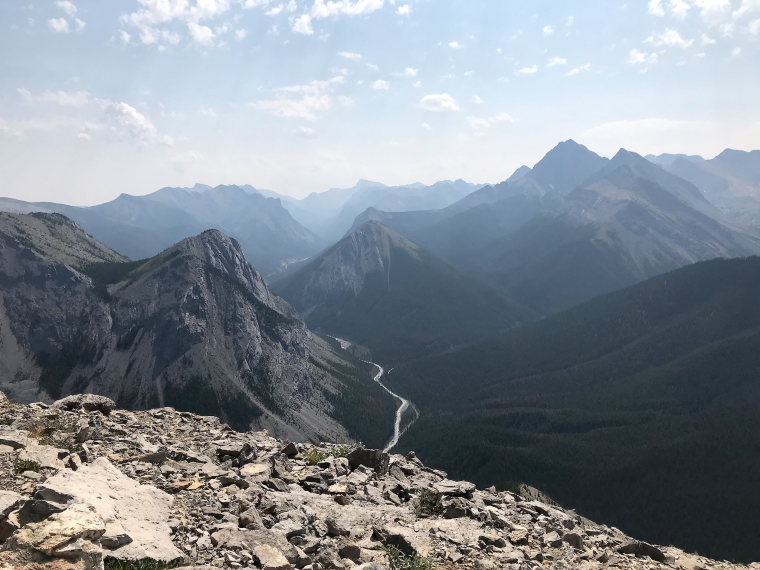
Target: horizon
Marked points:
357	182
308	95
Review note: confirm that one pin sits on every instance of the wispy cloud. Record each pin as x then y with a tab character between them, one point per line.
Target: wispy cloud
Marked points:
528	70
438	102
307	101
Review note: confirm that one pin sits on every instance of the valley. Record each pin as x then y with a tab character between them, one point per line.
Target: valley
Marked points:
586	327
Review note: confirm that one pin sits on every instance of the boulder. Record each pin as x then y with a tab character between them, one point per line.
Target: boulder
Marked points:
372	458
136	516
640	549
14	438
86	402
44	456
270	558
73	535
9	500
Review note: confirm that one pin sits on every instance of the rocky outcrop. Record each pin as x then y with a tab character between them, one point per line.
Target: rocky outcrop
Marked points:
195	327
173	486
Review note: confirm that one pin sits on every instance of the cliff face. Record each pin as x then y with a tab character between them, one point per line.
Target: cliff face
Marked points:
81	482
194	327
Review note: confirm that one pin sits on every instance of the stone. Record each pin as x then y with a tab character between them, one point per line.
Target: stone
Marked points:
44	455
408	541
73	534
251	519
573	539
9	500
86	402
373	458
639	549
270	558
256	470
140	512
290	449
454	488
14	438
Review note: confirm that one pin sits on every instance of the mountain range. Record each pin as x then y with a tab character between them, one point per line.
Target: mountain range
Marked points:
384	291
195	327
552	245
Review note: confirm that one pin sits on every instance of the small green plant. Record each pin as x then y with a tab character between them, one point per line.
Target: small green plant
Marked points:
145	564
397	560
22	465
428	504
345	449
315	456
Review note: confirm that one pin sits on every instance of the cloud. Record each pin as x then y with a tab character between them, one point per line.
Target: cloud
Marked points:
302	101
240	34
69	8
404	10
481	124
126	121
679	8
669	37
655	8
528	70
426	126
327	8
302	25
202	35
151	19
454	45
548	30
555	61
438	102
381	85
754	27
407	72
638	57
585	68
350	55
706	40
63	98
60	25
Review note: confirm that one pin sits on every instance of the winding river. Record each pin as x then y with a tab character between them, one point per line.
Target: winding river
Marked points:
404	404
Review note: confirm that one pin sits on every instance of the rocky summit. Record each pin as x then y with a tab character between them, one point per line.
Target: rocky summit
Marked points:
84	485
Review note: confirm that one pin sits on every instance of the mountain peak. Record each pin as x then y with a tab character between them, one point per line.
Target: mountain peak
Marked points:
566	166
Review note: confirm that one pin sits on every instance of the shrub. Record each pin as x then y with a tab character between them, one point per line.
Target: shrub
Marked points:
428	504
22	465
397	560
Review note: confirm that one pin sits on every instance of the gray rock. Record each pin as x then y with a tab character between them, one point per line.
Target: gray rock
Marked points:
372	458
270	558
9	500
86	402
44	455
140	512
73	534
14	438
638	548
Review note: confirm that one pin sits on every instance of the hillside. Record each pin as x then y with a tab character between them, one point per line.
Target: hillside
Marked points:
186	491
385	292
195	327
637	399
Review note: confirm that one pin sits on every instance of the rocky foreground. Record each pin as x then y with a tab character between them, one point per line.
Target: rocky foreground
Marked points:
83	484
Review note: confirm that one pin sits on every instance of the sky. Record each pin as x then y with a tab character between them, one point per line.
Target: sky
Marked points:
99	98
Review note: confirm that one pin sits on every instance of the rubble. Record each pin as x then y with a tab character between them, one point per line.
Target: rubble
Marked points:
183	489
